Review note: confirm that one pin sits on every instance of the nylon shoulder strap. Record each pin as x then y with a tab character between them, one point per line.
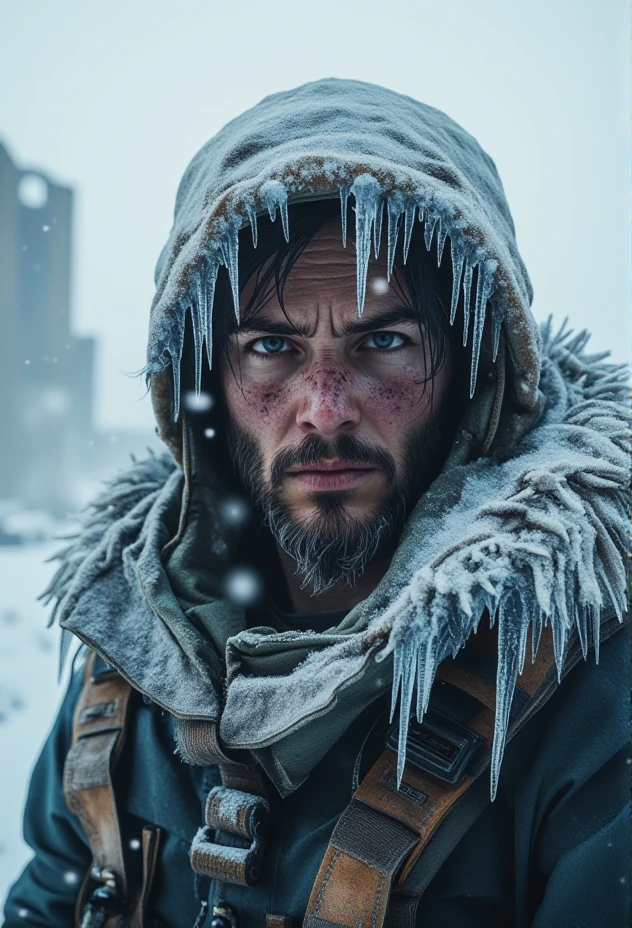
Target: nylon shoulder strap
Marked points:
378	863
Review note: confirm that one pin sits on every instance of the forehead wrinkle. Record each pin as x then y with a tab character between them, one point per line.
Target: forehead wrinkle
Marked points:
324	275
369	322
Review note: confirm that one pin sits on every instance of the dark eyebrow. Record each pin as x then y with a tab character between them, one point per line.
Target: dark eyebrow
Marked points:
382	321
353	327
272	328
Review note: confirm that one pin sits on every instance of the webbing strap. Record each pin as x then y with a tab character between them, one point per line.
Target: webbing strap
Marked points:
380	837
229	847
402	911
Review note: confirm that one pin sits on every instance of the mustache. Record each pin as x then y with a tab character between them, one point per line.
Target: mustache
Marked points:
345	448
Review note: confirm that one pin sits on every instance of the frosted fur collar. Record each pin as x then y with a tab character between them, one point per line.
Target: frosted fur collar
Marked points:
534	535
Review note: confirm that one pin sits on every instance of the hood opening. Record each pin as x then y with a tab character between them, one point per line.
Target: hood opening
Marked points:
400	164
430	274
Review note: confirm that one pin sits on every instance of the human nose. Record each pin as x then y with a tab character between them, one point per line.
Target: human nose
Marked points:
328	404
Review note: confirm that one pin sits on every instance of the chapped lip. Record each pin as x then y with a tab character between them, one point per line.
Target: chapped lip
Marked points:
329	467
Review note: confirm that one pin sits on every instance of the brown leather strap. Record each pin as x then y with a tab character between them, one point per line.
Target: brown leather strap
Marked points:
382	834
99	726
151	840
278	921
99	729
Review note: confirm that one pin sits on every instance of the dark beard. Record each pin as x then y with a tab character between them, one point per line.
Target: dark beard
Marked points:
331	546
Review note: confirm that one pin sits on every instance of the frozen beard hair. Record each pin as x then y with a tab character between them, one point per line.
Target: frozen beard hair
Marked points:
332	546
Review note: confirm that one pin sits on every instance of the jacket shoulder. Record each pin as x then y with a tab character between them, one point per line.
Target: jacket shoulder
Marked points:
110	523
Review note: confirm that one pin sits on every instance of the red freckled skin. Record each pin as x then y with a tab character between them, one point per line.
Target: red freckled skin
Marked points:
327	383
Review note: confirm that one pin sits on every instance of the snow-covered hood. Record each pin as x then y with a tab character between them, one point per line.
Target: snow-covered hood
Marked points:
399	161
532	535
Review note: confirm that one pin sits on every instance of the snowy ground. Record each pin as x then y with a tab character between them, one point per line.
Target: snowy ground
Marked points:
29	692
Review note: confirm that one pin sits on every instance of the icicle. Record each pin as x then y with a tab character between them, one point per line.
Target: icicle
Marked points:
344	199
367	193
536	631
198	339
430	666
582	631
484	287
252	218
398	672
64	648
394	208
421	675
560	635
175	368
274	194
409	218
377	228
442	234
467	289
497	321
458	258
202	299
429	227
510	620
407	684
210	281
596	631
522	646
285	219
230	255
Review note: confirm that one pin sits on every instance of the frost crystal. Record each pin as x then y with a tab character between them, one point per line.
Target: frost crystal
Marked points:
545	549
370	203
229	251
274	194
394	209
344	199
367	194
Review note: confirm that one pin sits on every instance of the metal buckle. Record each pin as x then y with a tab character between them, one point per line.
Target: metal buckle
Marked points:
438	745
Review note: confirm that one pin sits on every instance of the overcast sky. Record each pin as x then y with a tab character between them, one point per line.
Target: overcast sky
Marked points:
115	98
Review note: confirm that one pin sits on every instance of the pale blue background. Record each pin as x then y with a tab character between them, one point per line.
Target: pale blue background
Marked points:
116	97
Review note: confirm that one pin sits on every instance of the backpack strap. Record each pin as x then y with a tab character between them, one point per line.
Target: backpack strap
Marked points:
376	852
99	729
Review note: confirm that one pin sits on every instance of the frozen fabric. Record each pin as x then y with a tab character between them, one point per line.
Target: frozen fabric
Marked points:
531	536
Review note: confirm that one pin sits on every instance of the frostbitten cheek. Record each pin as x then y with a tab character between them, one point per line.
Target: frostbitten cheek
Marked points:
278	412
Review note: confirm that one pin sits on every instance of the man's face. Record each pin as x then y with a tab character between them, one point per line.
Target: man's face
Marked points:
331	416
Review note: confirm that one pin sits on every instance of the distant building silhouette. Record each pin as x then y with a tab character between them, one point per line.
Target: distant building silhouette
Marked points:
46	373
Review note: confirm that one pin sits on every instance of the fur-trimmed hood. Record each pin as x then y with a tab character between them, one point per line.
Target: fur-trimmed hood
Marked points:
532	535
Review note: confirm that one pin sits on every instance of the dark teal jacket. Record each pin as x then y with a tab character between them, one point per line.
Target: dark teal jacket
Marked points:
552	851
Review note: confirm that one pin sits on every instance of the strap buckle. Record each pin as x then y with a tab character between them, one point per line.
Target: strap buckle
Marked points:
438	745
240	819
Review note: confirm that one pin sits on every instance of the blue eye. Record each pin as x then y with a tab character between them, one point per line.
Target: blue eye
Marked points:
385	340
271	344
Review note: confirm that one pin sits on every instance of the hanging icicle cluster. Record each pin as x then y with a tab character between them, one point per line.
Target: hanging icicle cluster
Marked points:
548	550
371	202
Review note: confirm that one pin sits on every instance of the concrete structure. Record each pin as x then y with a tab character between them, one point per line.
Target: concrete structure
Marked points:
46	373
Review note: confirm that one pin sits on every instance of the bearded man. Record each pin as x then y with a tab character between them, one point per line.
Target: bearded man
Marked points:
391	524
